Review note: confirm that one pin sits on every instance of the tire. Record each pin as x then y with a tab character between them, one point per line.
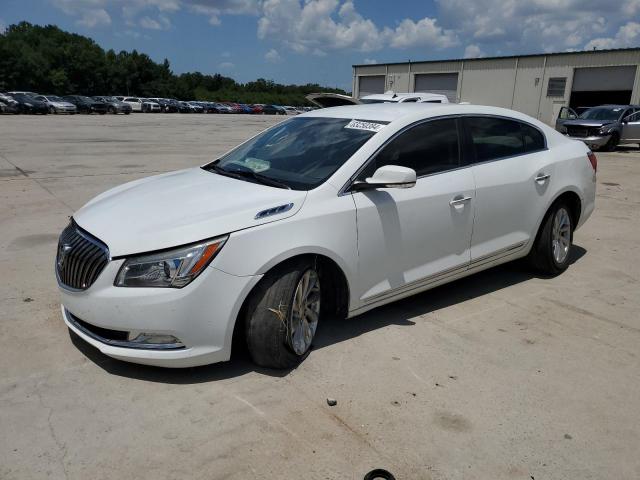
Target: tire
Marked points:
551	252
52	110
612	143
127	112
269	315
112	110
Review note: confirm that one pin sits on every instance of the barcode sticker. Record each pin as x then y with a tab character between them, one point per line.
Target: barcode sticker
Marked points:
368	126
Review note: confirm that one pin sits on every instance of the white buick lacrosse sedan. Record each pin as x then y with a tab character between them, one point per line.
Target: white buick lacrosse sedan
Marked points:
333	212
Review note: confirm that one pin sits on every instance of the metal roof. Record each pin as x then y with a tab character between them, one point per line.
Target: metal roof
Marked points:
553	54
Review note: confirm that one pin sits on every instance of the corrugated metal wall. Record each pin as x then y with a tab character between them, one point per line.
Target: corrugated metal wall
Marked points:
515	82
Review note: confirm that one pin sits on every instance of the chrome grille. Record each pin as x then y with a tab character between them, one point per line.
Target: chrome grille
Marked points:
81	258
582	132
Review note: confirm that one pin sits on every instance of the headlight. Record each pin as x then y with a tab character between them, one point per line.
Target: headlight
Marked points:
606	130
173	268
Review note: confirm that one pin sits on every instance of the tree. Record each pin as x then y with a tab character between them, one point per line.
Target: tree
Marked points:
49	60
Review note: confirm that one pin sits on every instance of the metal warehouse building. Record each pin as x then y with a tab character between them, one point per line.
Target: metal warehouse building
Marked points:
538	85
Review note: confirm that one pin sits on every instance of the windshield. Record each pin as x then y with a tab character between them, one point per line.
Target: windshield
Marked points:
602	114
54	98
300	153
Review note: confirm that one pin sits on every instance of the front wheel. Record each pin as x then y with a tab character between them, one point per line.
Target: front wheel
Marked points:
550	252
612	143
282	315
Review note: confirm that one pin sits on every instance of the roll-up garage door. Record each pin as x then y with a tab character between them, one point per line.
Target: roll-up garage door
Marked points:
442	83
602	85
371	84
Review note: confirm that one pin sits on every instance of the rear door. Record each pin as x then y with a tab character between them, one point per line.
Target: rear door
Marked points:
512	171
409	237
631	128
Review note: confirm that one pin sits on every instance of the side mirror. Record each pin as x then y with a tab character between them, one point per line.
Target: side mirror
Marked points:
389	176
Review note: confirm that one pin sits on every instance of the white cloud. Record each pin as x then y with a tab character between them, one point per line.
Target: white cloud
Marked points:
627	35
534	25
272	56
161	23
95	18
424	33
473	51
322	25
226	66
317	27
370	61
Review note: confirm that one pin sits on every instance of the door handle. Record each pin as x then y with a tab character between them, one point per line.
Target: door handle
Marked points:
541	177
459	201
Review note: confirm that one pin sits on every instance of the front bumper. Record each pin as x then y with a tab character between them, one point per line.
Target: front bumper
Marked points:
201	315
593	141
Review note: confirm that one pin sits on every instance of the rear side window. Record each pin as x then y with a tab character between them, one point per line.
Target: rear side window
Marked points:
533	138
494	138
427	148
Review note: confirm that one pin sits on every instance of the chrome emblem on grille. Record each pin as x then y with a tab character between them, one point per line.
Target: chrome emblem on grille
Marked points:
63	250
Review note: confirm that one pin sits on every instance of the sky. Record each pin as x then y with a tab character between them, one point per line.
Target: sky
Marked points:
317	41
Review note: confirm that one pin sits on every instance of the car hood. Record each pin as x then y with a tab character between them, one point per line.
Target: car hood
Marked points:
62	104
178	208
587	123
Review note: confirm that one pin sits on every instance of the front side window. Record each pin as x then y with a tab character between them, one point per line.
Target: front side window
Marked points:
427	148
494	138
300	153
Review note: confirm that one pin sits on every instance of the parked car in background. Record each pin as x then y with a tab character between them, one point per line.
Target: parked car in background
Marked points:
272	110
489	186
141	104
29	94
57	104
195	107
28	104
166	105
604	127
86	104
114	105
150	106
8	104
224	108
289	110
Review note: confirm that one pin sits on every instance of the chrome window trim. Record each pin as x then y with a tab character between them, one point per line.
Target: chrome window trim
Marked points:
345	190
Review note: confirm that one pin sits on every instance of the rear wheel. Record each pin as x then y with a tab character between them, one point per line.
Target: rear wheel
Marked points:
52	110
112	110
550	252
282	314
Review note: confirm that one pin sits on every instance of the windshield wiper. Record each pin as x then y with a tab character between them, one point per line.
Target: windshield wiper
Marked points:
244	174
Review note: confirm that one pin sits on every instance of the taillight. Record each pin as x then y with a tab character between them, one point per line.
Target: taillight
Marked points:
594	161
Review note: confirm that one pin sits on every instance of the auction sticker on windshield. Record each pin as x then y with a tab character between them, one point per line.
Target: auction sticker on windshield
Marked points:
368	126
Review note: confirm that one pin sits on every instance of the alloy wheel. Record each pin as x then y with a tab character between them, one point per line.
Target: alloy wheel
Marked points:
561	235
305	312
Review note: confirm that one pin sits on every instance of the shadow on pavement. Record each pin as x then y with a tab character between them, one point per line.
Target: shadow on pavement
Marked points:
333	331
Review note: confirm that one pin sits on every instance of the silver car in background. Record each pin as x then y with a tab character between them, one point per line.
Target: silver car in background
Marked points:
602	128
57	104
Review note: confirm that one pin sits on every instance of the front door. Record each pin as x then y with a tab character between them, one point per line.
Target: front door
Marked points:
407	237
631	128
